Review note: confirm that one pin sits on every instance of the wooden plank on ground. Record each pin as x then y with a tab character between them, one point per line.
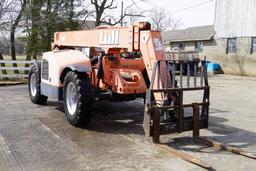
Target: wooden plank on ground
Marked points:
222	146
185	156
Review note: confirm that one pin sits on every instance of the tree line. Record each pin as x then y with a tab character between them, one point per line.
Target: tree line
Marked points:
28	26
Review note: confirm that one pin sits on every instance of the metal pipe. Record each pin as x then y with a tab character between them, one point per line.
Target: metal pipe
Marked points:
181	74
166	74
158	75
153	75
173	74
195	73
122	13
188	73
202	74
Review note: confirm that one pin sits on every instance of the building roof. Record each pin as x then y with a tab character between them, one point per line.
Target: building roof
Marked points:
189	34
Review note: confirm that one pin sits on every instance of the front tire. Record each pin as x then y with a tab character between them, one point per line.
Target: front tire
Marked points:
34	86
78	99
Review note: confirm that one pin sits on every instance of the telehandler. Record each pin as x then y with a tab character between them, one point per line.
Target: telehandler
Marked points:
125	63
120	63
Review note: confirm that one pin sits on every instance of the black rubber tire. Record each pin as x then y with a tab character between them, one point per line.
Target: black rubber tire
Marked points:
83	112
37	98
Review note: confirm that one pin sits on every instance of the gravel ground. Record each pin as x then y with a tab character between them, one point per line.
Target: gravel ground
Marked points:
36	137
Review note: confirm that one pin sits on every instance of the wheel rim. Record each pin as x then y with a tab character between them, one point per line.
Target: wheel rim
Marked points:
71	98
33	87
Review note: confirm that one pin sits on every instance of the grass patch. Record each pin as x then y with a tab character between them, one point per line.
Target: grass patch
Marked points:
18	57
11	71
12	82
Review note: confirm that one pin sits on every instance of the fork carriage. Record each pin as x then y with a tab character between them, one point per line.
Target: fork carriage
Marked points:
169	115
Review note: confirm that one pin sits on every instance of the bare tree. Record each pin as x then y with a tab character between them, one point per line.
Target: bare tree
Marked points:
131	14
101	6
136	12
35	17
132	18
5	7
161	20
14	25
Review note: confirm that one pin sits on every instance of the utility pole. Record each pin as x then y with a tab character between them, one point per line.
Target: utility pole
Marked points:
122	13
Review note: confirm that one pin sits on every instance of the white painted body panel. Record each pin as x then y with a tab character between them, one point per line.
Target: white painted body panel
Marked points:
58	61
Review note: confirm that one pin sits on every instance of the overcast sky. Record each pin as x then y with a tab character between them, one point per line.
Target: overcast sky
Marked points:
190	12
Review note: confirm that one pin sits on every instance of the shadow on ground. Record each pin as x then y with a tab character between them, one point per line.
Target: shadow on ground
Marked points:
126	118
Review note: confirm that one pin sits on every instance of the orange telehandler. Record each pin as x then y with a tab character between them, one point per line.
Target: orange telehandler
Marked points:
120	63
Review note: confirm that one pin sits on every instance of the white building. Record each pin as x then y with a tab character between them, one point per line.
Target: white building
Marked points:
234	42
235	36
235	18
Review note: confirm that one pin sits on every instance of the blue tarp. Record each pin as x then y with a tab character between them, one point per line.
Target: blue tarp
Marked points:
211	67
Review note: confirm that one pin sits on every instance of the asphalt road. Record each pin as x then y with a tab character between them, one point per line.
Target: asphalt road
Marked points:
34	137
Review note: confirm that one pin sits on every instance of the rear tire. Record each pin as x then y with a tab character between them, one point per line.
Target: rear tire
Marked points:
78	99
34	86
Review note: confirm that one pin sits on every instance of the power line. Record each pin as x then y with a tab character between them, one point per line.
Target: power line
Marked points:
193	6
